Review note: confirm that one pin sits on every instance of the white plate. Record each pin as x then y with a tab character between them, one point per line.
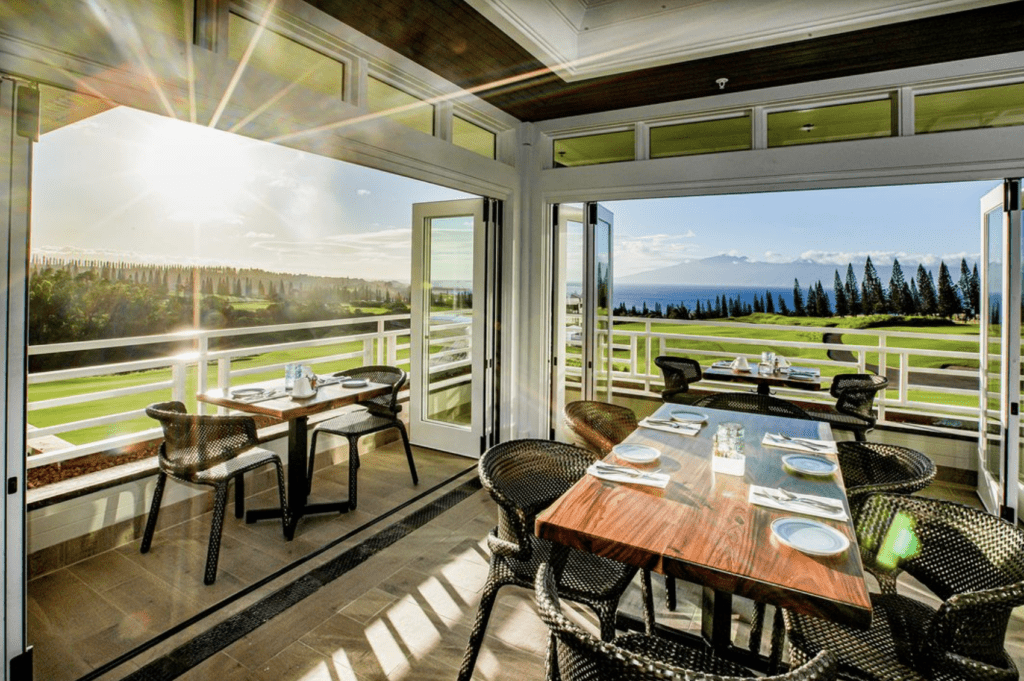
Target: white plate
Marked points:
689	417
810	536
247	392
636	453
808	464
355	383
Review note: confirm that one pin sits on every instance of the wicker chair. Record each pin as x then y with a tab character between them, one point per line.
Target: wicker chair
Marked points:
599	426
578	656
378	413
678	373
524	477
752	403
855	400
973	561
871	467
208	450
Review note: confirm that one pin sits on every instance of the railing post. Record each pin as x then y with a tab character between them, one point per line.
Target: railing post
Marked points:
179	373
883	364
223	378
203	343
904	377
380	341
367	351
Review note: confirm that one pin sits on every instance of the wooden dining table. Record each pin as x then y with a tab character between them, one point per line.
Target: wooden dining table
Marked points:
702	528
764	381
296	411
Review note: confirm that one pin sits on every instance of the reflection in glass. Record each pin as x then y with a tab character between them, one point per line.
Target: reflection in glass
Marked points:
603	332
702	137
608	147
448	388
994	296
989	107
830	123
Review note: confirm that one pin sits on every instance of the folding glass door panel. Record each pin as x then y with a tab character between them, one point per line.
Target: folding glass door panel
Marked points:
451	342
19	124
998	459
581	357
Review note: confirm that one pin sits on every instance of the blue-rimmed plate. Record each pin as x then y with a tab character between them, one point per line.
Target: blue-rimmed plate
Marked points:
636	453
810	537
807	464
688	417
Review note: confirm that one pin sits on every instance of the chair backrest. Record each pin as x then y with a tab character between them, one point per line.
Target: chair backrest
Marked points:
873	467
752	403
196	442
524	477
678	373
386	404
855	394
583	657
972	560
599	426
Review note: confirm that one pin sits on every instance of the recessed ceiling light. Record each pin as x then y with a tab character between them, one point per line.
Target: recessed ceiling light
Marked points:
807	127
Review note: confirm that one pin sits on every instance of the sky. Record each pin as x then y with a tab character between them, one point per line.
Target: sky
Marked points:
130	185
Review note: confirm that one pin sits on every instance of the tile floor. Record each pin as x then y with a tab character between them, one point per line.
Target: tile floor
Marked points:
403	613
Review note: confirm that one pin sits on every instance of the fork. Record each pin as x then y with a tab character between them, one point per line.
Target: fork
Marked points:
666	422
805	443
625	470
789	496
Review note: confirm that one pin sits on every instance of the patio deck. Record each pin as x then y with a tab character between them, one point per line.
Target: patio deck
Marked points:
393	599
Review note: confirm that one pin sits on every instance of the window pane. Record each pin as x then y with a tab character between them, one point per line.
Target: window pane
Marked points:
399	106
285	58
990	107
830	123
471	136
608	147
705	137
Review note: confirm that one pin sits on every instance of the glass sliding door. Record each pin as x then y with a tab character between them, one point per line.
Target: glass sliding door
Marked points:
998	459
582	271
452	343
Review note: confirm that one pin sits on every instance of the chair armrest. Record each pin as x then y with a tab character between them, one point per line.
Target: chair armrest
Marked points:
982	613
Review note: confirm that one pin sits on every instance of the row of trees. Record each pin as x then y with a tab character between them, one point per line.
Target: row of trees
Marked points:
921	295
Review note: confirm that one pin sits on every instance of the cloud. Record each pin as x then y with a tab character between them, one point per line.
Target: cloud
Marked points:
362	192
640	253
259	235
879	258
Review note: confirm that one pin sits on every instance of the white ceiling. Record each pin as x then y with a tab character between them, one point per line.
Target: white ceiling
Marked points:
587	38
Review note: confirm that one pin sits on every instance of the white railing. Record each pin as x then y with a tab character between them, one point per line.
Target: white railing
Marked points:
381	346
634	371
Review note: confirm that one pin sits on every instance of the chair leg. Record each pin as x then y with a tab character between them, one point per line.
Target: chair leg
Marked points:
778	642
476	637
756	628
285	514
240	495
670	593
353	470
648	597
860	435
154	510
220	503
408	453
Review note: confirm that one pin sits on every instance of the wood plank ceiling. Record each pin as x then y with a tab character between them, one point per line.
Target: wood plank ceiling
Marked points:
453	40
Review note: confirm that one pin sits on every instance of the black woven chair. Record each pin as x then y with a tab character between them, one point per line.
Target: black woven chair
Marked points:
377	414
752	403
524	477
578	656
973	562
599	426
872	468
208	450
855	401
678	373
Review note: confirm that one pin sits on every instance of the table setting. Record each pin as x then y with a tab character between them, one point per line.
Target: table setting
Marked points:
681	422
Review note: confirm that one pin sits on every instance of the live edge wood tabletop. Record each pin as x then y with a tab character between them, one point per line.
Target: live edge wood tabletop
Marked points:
701	527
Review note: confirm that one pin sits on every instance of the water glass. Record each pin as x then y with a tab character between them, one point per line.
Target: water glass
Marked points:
729	440
291	372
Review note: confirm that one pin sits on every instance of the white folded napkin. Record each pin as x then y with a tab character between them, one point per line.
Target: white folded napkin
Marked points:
690	429
800	444
639	478
804	371
770	497
329	380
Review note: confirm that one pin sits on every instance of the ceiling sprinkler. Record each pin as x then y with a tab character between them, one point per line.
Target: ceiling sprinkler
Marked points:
721	83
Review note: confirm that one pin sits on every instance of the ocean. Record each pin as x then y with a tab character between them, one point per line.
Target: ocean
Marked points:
637	294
